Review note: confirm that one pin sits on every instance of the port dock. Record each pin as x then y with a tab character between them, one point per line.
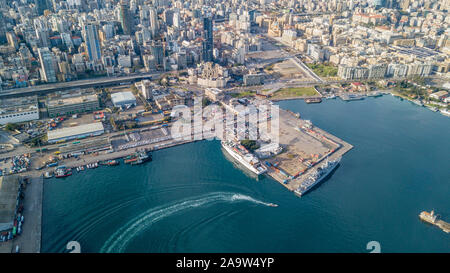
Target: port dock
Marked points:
304	148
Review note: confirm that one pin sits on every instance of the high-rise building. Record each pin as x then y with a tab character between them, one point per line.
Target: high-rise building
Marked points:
158	54
378	3
208	44
154	26
2	28
41	5
48	65
12	40
92	42
43	37
126	20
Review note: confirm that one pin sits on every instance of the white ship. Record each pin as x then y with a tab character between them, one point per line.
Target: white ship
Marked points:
322	172
248	160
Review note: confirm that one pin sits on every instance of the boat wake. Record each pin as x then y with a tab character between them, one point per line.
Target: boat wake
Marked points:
242	197
120	239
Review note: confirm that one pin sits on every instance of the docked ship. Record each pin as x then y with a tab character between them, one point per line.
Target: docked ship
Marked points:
313	100
138	158
239	153
62	172
351	97
110	163
316	177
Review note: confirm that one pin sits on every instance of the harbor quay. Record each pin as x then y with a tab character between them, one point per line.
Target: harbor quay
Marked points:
302	149
305	147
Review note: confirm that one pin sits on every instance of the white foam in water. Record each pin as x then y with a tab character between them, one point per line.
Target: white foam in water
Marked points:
238	196
120	239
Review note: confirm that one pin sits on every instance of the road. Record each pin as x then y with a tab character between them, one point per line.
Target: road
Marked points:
48	88
30	239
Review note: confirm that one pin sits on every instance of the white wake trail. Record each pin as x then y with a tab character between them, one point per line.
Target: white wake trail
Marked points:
120	239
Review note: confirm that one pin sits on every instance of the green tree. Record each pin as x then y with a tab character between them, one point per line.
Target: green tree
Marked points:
12	126
250	145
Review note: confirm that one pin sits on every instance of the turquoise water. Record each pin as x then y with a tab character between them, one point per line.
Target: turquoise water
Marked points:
190	198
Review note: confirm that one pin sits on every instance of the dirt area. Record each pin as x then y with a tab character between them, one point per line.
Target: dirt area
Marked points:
288	69
297	145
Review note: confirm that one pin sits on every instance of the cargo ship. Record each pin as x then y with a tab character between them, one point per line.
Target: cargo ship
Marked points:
244	157
316	177
433	219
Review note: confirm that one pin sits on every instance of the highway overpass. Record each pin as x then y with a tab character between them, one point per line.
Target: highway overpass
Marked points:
97	83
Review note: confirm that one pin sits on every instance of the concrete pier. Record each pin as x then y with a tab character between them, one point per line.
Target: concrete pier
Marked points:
304	148
30	239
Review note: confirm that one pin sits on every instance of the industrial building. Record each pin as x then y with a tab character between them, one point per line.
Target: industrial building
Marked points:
19	109
72	105
86	146
122	99
76	132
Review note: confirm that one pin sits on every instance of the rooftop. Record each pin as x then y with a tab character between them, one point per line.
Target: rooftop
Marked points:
71	100
17	105
76	130
122	96
9	186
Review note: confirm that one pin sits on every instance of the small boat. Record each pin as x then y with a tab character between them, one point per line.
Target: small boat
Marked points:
272	205
313	100
59	173
111	162
48	175
142	157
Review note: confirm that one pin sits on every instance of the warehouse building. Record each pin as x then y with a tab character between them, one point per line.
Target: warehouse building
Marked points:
86	146
16	110
76	132
123	99
72	105
9	190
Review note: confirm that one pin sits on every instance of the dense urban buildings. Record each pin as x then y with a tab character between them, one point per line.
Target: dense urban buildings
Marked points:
59	41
